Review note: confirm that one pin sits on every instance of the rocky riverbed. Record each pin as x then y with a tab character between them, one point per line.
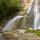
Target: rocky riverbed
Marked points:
19	34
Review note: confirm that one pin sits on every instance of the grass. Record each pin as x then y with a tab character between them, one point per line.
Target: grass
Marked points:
37	32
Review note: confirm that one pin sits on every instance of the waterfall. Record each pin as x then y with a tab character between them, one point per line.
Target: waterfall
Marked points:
34	12
34	9
12	24
36	15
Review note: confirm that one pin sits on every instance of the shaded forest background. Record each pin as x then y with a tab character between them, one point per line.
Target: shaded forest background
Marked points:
8	9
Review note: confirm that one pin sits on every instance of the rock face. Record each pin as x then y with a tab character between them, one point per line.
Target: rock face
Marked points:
25	4
2	36
20	34
28	19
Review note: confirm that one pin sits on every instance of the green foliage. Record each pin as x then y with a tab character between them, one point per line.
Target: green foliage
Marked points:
29	30
37	32
8	9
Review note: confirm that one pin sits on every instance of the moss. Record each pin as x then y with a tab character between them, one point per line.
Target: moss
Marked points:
29	30
37	32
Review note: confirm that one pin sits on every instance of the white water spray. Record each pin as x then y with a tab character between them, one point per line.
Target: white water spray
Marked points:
36	16
12	23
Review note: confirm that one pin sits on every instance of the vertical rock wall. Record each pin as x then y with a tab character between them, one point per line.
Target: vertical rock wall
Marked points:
25	4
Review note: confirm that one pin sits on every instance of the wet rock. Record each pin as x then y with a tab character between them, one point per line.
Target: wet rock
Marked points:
2	36
20	34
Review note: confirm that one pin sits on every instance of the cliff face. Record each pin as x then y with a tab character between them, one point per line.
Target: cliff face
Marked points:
25	4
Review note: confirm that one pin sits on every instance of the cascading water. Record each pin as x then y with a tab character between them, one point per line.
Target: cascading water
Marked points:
12	24
34	9
37	15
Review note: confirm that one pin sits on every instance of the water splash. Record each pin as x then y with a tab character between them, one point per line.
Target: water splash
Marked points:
11	24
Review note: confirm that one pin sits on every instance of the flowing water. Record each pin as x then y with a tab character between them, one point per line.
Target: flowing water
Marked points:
11	24
34	9
37	15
